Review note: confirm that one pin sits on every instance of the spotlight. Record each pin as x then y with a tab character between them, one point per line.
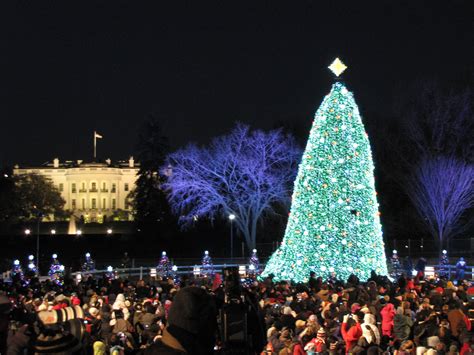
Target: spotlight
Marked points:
254	250
53	231
30	257
27	232
206	252
232	217
79	232
445	252
110	268
109	231
394	251
88	255
174	268
163	253
16	262
55	256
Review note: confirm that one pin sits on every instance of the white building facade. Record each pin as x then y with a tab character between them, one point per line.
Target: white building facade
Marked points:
93	191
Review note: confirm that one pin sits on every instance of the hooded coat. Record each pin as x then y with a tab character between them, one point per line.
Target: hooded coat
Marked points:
402	326
388	314
370	330
351	335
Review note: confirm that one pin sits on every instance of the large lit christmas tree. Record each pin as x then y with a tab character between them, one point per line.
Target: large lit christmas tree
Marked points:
334	223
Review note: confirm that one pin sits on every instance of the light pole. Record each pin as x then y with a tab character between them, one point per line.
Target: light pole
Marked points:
231	219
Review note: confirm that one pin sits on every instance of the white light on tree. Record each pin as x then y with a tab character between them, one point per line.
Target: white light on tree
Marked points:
27	231
109	231
232	217
53	231
79	232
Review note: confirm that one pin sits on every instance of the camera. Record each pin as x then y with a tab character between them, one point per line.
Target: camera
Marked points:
61	315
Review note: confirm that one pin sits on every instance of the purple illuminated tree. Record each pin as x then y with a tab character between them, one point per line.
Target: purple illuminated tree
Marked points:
245	173
441	189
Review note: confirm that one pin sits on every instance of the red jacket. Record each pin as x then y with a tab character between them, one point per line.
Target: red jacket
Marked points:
351	336
298	350
387	313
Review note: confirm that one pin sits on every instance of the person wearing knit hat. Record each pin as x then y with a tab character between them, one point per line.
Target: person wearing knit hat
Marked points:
318	344
191	324
355	308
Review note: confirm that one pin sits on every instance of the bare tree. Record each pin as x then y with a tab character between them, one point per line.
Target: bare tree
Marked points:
442	191
246	173
437	123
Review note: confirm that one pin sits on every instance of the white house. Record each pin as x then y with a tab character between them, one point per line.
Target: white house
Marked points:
91	190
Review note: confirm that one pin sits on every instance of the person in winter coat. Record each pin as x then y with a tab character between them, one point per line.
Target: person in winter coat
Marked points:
402	324
191	325
388	314
318	344
369	330
456	320
351	331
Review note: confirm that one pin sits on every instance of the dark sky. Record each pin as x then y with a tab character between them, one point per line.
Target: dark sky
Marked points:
68	70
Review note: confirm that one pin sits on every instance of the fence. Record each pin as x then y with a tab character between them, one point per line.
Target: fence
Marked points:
142	271
430	271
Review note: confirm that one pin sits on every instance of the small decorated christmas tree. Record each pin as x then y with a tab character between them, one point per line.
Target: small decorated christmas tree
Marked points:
89	264
110	274
164	266
395	266
17	272
254	263
32	268
207	267
56	271
444	264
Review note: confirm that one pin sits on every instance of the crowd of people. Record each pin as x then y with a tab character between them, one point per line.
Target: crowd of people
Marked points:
118	316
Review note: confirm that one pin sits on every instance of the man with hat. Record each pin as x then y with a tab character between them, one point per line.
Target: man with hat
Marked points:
191	326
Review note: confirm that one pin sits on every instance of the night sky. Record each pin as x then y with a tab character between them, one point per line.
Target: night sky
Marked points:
69	70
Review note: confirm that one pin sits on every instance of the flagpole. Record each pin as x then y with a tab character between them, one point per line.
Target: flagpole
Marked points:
95	145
